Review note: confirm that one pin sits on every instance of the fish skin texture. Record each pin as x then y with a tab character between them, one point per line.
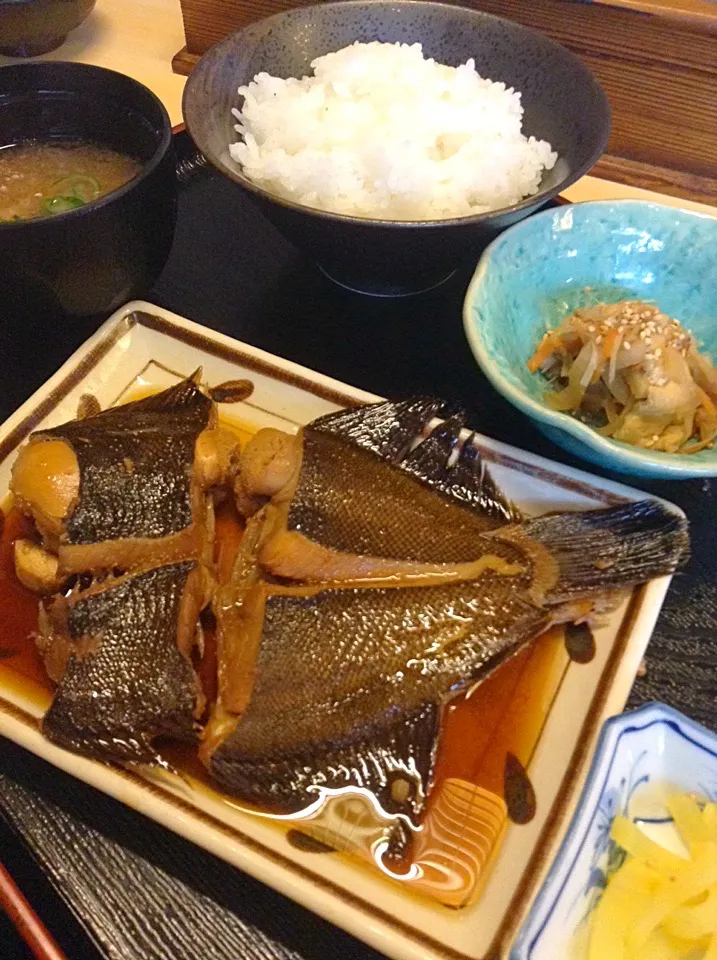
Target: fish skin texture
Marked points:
134	684
334	668
412	506
403	748
135	466
338	660
337	669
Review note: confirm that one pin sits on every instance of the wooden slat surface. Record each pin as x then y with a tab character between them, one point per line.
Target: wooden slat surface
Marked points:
145	894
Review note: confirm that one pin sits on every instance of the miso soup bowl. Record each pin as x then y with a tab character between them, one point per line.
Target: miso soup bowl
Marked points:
88	261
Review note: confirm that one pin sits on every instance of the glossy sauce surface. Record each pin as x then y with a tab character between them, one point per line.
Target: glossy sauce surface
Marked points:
21	666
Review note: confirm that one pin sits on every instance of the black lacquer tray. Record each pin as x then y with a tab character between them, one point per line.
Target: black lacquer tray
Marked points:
109	883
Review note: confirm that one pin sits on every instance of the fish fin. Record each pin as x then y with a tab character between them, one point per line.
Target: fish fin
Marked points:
457	470
393	762
108	746
387	429
613	548
186	393
390	431
184	396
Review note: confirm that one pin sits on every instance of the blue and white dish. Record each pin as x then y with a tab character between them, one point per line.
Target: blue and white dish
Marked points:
641	758
539	271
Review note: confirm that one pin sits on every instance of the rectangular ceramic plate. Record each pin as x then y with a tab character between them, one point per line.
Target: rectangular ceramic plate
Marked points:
143	344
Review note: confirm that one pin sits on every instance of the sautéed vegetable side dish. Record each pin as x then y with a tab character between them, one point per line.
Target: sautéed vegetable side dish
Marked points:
41	179
632	373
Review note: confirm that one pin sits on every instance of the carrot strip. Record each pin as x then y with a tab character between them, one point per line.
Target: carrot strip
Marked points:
547	346
696	447
609	343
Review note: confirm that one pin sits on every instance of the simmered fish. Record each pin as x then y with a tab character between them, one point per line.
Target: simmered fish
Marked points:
123	501
121	654
381	574
368	482
333	688
124	488
405	579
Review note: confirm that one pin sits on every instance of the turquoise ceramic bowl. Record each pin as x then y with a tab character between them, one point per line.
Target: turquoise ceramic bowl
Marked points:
539	271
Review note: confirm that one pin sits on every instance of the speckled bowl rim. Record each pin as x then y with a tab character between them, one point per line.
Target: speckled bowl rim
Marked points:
537	199
667	465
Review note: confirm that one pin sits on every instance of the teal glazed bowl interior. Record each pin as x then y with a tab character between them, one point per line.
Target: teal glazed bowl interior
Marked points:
542	269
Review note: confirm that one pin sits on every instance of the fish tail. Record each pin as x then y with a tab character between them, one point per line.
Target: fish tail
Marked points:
613	548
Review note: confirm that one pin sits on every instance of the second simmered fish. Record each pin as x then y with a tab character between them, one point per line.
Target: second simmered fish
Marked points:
123	506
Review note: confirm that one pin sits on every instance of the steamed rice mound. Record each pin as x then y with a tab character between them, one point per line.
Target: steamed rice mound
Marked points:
380	131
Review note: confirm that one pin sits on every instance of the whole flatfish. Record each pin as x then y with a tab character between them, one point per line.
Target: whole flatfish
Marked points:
361	604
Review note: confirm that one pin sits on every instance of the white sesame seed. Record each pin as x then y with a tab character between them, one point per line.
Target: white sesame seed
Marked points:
627	345
658	352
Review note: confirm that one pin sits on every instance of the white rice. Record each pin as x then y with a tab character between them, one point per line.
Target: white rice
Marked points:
380	131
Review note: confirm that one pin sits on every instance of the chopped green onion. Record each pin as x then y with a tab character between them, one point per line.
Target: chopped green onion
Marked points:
62	204
79	185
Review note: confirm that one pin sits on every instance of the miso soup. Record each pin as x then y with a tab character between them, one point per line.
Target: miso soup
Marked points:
43	179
